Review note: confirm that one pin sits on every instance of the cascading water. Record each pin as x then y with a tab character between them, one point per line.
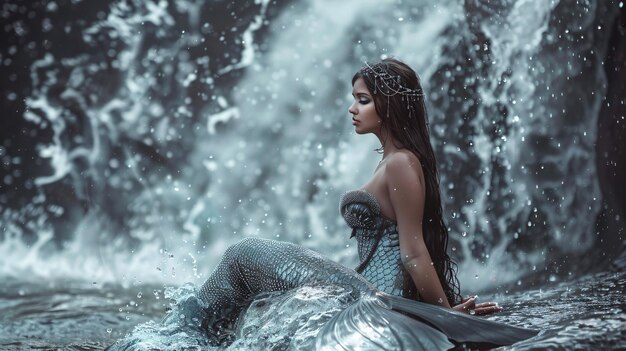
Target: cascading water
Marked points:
150	135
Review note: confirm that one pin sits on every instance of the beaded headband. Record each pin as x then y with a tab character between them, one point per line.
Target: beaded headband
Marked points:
389	85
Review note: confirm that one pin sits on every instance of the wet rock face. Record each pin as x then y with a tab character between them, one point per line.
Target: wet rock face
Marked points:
611	144
70	59
560	49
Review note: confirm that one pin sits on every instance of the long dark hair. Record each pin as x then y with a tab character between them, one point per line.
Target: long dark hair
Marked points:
406	119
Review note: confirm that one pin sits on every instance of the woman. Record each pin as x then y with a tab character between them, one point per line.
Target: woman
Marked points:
406	179
404	290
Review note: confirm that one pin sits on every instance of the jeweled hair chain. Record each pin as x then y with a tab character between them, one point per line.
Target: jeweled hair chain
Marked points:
393	86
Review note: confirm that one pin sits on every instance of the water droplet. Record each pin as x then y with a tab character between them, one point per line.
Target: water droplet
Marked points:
440	300
139	294
476	276
472	312
109	330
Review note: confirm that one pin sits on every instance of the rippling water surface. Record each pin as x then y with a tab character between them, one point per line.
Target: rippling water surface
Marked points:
582	313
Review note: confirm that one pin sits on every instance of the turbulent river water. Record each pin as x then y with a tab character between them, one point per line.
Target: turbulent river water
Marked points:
584	313
141	138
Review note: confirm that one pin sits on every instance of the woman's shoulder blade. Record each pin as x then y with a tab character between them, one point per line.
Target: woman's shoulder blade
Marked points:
404	164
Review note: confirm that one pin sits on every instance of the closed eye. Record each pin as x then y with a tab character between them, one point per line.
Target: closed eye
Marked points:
363	98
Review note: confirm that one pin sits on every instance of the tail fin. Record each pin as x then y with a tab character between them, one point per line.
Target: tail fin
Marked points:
459	327
388	322
370	325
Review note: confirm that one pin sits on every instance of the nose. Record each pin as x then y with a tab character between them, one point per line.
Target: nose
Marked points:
352	109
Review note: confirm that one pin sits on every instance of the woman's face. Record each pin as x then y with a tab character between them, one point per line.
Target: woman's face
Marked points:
364	116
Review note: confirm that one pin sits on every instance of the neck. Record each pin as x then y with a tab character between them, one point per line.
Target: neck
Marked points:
388	143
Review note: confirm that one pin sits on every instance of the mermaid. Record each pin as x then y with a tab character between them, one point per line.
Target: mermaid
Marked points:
404	292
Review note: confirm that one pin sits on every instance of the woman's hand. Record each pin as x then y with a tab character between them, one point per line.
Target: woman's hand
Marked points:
468	305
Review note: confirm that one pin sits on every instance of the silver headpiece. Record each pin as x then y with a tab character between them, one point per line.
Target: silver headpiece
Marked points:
389	85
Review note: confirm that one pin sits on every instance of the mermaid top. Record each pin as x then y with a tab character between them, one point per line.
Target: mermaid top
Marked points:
378	244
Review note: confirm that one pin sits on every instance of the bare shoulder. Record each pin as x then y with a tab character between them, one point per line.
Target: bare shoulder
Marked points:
404	164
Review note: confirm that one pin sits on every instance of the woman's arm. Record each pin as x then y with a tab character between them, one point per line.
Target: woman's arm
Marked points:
405	184
405	180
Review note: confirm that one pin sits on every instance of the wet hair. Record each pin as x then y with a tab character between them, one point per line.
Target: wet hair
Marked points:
407	121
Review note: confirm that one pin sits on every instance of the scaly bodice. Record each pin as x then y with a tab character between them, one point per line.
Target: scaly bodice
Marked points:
378	244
